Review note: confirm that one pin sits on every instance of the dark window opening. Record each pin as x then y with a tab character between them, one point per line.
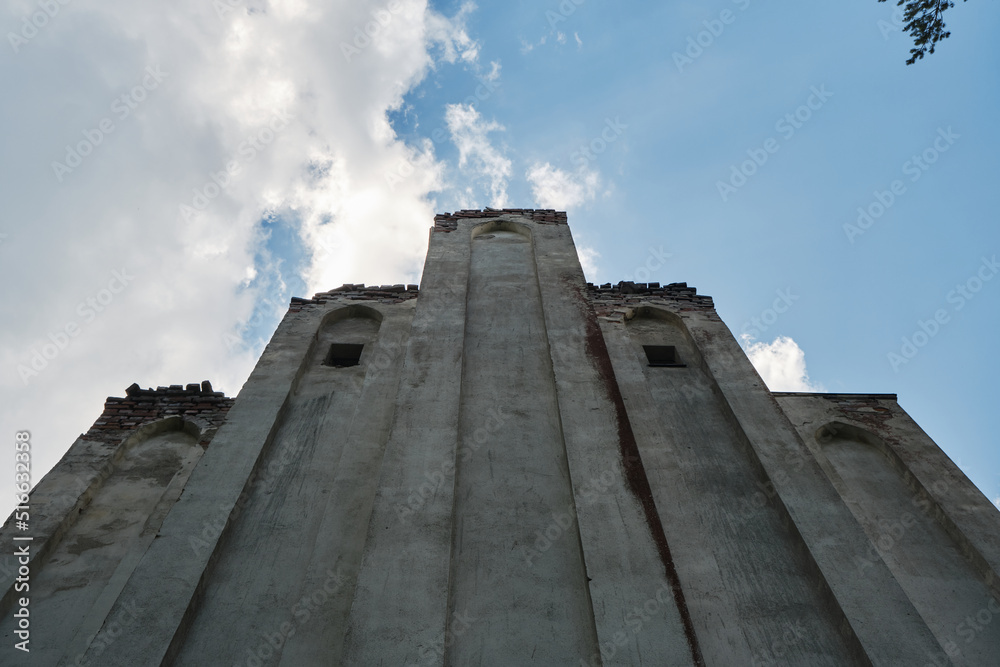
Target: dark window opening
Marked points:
342	355
662	355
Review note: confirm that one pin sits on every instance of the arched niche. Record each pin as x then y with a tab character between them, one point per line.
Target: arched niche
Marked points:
354	311
494	226
860	458
909	532
345	336
73	589
836	432
652	329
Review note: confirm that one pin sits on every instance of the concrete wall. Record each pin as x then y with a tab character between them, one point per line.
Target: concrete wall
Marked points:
738	561
518	480
85	572
92	517
924	520
504	479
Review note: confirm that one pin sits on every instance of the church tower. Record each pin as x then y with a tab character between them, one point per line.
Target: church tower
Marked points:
506	466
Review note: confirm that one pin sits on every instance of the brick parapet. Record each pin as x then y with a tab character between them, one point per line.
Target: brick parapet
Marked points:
443	222
350	292
140	406
448	222
611	301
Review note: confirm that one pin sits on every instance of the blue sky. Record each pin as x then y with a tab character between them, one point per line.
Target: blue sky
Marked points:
727	144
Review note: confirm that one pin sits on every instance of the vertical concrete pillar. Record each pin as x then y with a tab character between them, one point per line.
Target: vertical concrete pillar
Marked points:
640	611
518	592
166	583
734	557
832	538
400	611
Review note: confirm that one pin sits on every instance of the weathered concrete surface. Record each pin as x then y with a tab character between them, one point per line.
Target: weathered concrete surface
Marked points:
877	611
400	611
60	498
911	499
640	611
165	585
518	578
304	519
337	553
744	573
72	593
503	479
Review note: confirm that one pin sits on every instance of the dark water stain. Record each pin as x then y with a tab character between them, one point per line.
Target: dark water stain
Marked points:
635	473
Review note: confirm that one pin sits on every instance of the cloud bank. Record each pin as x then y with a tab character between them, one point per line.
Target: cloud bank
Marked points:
782	365
174	172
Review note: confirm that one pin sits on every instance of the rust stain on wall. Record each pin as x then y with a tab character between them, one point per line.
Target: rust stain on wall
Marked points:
635	473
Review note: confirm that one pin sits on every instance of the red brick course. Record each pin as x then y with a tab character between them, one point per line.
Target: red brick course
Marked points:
448	222
611	301
141	406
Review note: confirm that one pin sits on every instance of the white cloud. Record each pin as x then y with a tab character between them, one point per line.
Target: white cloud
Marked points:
555	188
996	501
782	365
468	131
579	42
527	47
450	34
588	261
494	72
200	277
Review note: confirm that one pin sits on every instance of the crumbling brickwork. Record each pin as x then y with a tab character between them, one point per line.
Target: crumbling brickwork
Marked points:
611	301
348	292
141	406
448	222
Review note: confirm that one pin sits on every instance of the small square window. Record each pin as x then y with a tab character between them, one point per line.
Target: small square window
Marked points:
662	355
342	355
